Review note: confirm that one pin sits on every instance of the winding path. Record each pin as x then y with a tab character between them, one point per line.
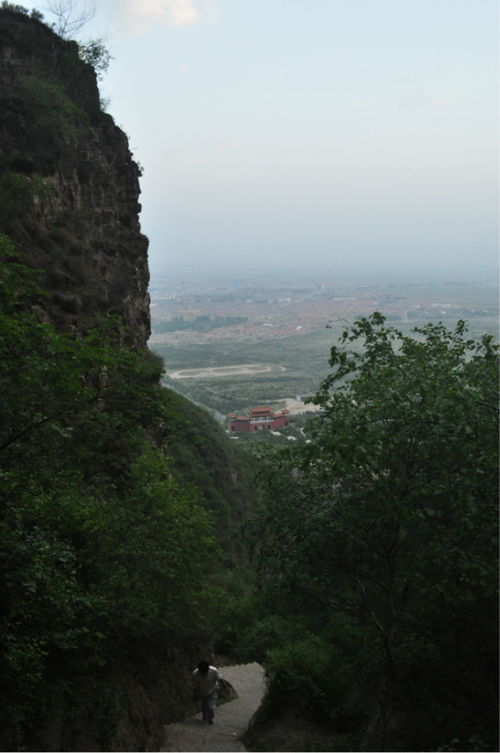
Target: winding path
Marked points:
231	719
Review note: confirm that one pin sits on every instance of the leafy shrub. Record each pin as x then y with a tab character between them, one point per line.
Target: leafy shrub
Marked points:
306	668
52	116
95	53
258	637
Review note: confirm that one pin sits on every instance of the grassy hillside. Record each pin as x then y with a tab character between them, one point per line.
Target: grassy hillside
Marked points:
203	456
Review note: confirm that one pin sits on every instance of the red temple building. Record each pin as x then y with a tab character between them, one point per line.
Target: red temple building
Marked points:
258	418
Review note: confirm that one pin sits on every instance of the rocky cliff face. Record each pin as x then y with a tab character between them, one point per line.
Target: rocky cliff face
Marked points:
69	187
69	200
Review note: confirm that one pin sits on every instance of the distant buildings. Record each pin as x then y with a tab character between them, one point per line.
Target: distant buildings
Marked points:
258	418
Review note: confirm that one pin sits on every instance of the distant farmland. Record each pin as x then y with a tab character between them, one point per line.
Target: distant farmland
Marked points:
225	371
281	348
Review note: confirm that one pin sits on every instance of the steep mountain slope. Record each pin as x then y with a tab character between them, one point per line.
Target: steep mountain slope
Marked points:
69	186
119	500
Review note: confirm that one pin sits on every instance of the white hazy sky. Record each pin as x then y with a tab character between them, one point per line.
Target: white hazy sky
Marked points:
345	134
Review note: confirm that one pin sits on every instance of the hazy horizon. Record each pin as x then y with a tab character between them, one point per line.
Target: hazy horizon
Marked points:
357	273
358	135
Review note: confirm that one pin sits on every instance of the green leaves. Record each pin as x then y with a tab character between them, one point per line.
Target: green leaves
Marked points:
390	513
95	53
53	115
101	543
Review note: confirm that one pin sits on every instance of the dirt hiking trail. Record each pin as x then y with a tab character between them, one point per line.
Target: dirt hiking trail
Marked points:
231	719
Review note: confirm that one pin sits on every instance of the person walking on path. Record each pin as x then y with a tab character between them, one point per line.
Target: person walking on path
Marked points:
206	684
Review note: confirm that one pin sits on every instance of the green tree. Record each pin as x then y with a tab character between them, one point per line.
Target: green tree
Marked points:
95	53
385	528
102	546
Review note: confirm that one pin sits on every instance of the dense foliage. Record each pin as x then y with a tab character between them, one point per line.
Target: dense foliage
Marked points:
113	490
102	545
378	546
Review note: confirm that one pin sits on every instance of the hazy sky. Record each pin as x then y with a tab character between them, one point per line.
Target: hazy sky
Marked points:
344	133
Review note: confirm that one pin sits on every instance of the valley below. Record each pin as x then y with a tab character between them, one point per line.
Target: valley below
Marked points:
232	341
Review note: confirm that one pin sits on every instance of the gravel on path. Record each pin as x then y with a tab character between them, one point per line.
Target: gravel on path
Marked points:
231	719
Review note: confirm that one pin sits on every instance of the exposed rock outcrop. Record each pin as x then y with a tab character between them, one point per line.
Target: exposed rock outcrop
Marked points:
69	187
